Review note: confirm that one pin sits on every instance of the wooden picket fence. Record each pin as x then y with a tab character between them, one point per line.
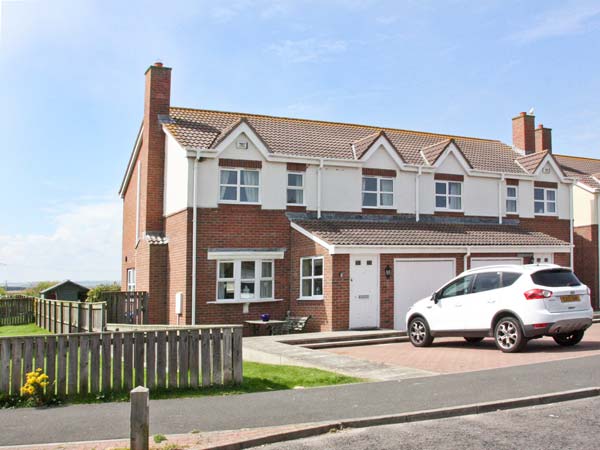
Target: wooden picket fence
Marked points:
17	310
93	363
59	316
126	307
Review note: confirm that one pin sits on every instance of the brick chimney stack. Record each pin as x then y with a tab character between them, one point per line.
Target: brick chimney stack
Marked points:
157	101
543	139
523	127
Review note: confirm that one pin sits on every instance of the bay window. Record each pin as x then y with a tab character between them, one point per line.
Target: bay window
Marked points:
239	186
245	280
377	192
311	278
448	195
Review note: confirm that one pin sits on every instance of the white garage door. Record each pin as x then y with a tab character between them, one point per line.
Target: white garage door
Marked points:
484	262
415	279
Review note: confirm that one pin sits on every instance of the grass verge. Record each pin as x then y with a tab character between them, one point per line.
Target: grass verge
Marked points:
21	330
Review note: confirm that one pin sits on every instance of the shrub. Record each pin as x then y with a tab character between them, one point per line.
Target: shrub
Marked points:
33	389
94	294
35	290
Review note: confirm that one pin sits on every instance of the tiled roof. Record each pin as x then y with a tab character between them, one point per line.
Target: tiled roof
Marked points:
586	170
361	233
197	128
532	161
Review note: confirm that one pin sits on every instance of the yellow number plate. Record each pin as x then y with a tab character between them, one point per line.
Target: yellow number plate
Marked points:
569	298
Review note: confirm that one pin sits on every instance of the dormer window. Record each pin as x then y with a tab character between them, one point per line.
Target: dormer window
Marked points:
512	193
239	186
377	192
544	201
448	195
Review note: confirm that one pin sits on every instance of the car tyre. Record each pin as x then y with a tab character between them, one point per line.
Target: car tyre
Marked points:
418	332
473	340
509	336
569	339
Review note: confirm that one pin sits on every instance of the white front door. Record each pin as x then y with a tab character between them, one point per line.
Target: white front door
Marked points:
415	279
364	291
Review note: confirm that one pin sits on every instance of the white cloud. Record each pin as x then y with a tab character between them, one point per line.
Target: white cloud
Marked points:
306	50
84	245
569	18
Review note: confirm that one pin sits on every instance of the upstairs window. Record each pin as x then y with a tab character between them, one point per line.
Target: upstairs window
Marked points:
448	195
295	188
377	192
544	201
239	186
511	199
245	280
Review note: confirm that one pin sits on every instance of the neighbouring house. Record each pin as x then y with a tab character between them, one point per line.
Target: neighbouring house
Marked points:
586	217
65	290
230	215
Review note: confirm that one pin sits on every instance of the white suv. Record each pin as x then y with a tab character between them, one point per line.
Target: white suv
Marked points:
511	303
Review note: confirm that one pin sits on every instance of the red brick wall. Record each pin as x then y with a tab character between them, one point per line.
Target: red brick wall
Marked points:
553	226
152	277
129	238
178	228
586	258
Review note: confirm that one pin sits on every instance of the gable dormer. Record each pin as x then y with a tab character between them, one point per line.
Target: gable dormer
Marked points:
374	146
446	153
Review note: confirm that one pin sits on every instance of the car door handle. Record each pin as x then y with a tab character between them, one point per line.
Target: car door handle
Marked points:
457	305
491	301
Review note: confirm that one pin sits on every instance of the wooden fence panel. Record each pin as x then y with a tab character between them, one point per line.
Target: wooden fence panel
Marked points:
59	316
129	307
91	363
17	310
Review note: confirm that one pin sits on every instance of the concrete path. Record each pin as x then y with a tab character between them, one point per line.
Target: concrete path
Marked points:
110	420
276	350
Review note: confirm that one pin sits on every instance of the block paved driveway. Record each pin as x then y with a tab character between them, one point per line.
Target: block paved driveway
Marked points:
455	355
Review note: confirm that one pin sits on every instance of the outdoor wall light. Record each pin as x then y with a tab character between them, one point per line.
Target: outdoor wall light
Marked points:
388	271
341	274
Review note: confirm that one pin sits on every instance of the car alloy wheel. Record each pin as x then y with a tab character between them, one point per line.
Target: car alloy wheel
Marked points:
508	334
418	332
567	340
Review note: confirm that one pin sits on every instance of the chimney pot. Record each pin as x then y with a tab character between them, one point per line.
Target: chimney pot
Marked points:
158	64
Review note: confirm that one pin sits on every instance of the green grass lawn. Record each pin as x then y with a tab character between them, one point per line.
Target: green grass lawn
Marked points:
21	330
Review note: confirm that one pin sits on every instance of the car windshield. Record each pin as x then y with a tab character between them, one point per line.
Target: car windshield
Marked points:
555	278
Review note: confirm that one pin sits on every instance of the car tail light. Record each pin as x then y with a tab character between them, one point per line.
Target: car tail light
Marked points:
537	294
540	325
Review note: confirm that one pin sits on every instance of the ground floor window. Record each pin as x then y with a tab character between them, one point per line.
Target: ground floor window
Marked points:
311	274
245	280
131	280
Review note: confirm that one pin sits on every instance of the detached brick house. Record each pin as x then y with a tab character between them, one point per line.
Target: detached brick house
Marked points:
230	215
586	216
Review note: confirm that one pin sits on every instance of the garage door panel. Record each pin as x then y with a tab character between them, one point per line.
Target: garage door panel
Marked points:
485	262
415	279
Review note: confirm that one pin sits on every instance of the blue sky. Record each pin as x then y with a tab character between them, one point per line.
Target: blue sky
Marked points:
71	85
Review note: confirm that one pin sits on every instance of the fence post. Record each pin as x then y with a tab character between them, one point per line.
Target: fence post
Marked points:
139	418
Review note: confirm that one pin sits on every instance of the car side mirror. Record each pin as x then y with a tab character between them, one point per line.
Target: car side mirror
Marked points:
434	297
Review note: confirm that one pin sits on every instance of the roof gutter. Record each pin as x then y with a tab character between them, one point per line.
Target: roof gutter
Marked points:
571	224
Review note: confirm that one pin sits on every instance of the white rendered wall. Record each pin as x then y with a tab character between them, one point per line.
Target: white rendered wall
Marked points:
585	206
177	187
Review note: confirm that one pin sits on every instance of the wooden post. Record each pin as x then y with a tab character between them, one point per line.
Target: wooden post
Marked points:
139	419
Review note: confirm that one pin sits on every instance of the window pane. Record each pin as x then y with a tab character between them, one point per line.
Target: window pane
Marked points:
318	286
266	289
294	179
459	287
295	197
511	191
387	186
511	206
486	282
226	270
228	193
306	288
509	278
538	194
387	199
249	177
306	267
440	201
551	207
369	199
228	177
455	202
249	194
248	270
440	188
247	290
455	188
370	184
539	207
226	290
551	195
267	269
318	267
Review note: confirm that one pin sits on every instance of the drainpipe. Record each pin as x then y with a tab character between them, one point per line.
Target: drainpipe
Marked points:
571	224
417	194
194	234
466	259
319	187
598	245
500	186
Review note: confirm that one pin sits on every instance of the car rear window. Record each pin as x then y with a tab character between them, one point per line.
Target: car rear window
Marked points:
555	278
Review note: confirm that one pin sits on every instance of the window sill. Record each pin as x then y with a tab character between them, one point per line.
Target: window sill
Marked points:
449	210
231	202
308	299
241	302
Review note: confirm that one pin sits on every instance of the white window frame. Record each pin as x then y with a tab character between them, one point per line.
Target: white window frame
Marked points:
131	281
312	277
295	188
239	185
514	198
447	195
237	280
378	192
545	201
